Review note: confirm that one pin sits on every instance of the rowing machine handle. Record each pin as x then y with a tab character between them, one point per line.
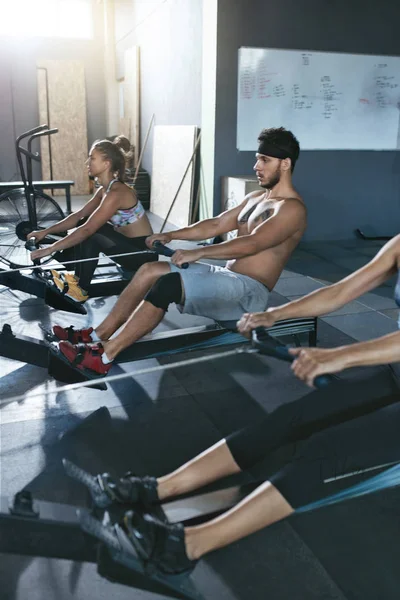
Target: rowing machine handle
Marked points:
270	347
165	251
31	245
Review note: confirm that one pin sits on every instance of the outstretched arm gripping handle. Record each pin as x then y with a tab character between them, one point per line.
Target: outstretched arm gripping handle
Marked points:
270	347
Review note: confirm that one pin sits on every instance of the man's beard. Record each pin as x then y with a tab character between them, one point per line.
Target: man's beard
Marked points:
273	181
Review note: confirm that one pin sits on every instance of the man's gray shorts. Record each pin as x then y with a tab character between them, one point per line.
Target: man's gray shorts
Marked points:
218	293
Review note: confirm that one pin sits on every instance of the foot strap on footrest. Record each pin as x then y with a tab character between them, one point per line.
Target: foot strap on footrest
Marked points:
62	370
56	299
119	566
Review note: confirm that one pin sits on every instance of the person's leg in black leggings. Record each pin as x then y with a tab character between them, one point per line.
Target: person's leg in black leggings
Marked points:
341	401
371	441
362	443
289	423
67	256
110	242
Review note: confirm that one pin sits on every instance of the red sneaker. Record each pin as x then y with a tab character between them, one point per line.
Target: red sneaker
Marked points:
84	356
77	336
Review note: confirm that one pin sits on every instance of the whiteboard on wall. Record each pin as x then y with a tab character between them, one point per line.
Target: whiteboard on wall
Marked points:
329	101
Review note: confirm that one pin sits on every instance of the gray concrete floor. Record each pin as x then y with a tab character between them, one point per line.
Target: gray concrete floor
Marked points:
304	558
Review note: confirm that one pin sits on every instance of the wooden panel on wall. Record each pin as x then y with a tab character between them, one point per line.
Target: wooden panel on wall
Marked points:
43	119
64	101
131	96
173	147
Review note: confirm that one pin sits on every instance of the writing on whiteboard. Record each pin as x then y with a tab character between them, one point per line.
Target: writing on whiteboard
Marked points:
329	100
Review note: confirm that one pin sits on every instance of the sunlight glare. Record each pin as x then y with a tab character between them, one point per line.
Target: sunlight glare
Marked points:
47	18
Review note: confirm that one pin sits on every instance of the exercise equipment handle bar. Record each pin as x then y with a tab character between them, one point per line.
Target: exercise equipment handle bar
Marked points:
28	152
39	134
268	346
31	245
41	130
35	155
165	251
30	132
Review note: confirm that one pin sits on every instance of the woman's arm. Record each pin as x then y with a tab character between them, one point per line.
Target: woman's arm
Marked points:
332	297
311	362
72	220
106	209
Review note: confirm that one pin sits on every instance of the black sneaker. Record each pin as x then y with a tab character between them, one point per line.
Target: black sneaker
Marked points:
159	544
130	489
104	490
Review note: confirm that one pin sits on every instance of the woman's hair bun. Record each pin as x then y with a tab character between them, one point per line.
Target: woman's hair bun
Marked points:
122	142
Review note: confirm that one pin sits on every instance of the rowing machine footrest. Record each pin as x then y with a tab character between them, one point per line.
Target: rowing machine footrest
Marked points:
58	301
114	571
59	370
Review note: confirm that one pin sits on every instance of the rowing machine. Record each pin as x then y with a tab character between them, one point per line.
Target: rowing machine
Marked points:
34	528
43	354
39	282
41	528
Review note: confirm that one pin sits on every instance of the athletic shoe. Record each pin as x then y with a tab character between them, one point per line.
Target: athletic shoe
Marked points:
84	357
69	277
158	543
106	491
71	290
130	489
75	336
76	293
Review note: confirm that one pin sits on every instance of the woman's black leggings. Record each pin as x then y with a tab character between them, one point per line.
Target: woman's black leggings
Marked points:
110	242
330	431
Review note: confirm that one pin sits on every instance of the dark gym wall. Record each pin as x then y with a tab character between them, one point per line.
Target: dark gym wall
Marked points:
343	190
169	34
18	87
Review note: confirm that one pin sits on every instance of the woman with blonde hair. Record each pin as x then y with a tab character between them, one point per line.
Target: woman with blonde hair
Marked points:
113	221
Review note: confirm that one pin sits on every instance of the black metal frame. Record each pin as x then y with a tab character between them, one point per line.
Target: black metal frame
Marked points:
29	155
53	530
39	352
60	521
37	284
33	527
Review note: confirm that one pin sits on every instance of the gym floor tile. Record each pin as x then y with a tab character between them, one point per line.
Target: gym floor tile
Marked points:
381	298
363	326
297	286
348	309
392	313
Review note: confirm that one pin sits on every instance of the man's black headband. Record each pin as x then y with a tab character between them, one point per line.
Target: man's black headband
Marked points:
272	150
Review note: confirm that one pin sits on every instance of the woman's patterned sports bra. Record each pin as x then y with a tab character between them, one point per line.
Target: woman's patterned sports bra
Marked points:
126	216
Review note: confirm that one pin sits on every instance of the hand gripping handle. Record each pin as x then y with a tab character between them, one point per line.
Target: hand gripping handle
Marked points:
165	251
31	245
270	347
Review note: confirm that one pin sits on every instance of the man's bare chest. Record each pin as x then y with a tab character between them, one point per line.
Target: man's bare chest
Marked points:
255	213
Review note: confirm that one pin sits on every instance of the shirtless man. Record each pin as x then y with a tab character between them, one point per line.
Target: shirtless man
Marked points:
270	224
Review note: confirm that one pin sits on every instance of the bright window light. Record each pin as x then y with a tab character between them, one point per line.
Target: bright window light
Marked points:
47	18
